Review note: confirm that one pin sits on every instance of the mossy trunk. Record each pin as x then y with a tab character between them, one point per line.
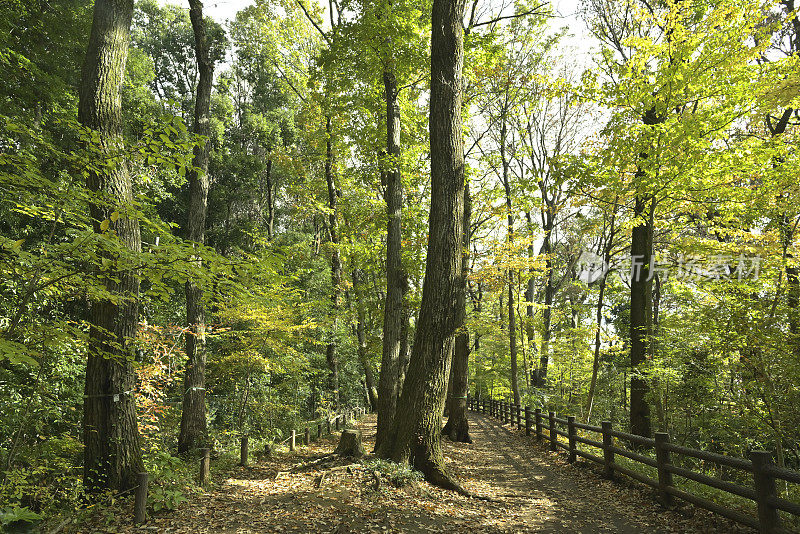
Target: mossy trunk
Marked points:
418	418
112	451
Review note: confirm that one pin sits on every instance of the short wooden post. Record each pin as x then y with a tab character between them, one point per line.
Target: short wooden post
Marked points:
140	499
506	412
663	460
512	412
205	466
527	421
244	450
338	419
608	451
319	430
292	441
483	408
769	520
519	416
571	434
328	423
553	435
307	437
538	414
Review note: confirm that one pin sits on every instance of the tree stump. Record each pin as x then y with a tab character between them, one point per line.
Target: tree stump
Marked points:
350	444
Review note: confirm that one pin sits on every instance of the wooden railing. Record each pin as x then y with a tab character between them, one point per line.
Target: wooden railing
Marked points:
759	467
338	420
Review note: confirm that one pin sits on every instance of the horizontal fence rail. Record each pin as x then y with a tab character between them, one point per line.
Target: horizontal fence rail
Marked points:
340	420
612	443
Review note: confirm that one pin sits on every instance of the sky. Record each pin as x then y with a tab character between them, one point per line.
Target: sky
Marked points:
222	10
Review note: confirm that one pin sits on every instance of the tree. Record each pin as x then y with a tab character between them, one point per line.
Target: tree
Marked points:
418	420
193	433
112	454
457	427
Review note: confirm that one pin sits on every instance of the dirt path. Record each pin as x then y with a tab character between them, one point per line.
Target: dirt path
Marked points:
537	492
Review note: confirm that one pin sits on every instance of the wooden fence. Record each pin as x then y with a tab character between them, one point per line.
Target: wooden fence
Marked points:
338	421
759	467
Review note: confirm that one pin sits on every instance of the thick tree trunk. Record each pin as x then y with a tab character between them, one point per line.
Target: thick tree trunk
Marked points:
336	263
457	427
418	419
389	385
112	451
194	429
641	314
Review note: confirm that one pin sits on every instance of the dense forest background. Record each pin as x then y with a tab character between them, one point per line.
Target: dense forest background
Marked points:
278	179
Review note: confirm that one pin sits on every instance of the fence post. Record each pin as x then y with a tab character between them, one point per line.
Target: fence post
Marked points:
140	499
483	408
769	520
319	430
553	435
337	418
307	438
328	423
571	433
608	452
244	450
538	413
527	421
663	460
507	412
519	417
292	443
205	466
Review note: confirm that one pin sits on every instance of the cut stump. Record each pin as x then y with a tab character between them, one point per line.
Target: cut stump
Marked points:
350	444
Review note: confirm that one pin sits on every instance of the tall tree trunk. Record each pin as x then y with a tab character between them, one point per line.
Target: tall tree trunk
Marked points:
112	451
457	427
193	433
529	296
547	313
389	385
369	377
336	263
418	419
405	349
609	245
512	316
641	314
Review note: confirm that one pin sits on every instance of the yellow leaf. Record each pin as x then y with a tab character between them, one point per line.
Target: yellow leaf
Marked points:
114	216
104	225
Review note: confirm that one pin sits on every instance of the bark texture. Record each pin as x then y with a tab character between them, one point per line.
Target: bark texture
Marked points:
389	385
641	327
418	419
112	452
194	427
457	427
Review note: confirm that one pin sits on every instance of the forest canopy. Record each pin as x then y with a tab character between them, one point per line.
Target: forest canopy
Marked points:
215	228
